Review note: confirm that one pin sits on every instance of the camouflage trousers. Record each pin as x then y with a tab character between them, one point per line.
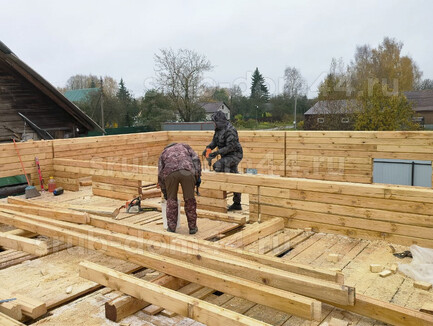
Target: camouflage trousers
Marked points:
187	180
190	211
229	164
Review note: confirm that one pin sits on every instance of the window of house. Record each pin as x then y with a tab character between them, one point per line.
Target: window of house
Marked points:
320	120
345	120
403	172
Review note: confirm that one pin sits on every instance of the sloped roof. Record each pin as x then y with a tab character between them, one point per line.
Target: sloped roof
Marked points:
421	100
9	60
78	95
334	107
212	107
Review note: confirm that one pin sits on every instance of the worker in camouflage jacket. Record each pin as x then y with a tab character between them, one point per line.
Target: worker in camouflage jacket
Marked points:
227	140
179	164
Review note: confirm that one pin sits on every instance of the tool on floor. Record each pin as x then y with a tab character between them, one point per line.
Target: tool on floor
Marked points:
41	180
30	191
403	254
134	206
7	300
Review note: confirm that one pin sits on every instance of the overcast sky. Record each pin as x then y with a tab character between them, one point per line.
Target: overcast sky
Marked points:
119	38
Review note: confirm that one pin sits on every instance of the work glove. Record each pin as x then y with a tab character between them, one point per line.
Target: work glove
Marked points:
204	152
198	182
164	192
213	154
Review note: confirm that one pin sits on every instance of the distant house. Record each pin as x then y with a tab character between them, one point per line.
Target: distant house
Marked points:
331	115
422	104
32	108
212	107
79	95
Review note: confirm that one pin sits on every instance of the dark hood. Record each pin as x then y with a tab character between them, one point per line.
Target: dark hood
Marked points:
220	120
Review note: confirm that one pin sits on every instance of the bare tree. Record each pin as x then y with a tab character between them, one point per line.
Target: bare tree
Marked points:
180	75
294	83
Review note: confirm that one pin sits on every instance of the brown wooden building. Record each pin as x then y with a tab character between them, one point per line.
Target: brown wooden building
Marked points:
422	103
32	108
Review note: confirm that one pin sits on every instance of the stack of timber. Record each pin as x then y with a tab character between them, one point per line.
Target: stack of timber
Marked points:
116	188
231	274
292	288
141	148
348	155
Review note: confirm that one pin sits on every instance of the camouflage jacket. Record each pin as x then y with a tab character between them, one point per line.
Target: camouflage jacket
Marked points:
227	140
177	157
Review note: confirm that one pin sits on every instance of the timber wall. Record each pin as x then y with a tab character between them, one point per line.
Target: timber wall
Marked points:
320	155
10	163
398	214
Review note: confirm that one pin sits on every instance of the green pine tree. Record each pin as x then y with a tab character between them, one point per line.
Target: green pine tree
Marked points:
259	90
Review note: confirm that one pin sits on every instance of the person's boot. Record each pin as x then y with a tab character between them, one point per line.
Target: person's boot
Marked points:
235	207
191	214
172	215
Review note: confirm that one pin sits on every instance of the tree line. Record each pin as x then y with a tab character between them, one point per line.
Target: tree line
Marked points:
376	78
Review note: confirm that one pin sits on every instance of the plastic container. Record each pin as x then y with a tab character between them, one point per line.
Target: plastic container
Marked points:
58	191
51	184
164	214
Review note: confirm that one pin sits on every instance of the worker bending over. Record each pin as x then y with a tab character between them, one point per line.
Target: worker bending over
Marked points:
227	140
178	163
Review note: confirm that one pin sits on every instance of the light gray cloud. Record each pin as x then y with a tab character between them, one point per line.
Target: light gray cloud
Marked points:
119	38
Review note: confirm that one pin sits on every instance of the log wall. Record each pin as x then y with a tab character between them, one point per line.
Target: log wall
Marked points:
398	214
320	155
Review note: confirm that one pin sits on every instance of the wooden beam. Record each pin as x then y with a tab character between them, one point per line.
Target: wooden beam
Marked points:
188	242
279	299
102	211
204	214
125	306
225	263
31	246
58	214
253	233
388	312
182	304
21	233
11	309
5	320
185	241
30	307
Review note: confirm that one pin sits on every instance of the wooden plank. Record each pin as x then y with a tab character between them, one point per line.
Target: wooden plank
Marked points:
169	299
279	299
31	246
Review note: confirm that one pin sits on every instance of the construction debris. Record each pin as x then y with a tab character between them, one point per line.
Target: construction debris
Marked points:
376	268
422	285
